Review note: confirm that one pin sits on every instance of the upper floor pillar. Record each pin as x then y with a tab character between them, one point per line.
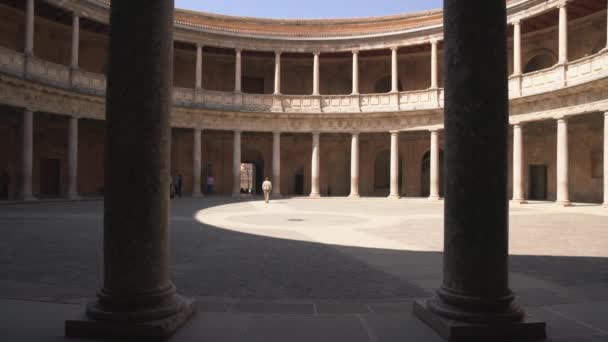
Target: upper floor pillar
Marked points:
394	70
29	28
355	72
75	40
315	74
517	47
563	32
434	67
277	72
237	72
199	66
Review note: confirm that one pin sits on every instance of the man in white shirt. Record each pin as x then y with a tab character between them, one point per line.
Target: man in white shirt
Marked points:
267	187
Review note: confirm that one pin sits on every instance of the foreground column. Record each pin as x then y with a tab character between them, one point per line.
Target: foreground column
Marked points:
394	70
563	195
27	155
138	301
236	164
563	32
29	28
434	78
314	178
199	66
606	159
518	179
475	302
434	176
394	193
75	40
315	74
276	163
237	72
72	191
196	164
354	166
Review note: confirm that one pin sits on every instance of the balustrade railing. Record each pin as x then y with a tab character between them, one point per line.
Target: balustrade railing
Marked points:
577	72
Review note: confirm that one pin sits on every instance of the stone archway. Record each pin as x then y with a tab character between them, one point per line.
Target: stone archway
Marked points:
425	174
540	59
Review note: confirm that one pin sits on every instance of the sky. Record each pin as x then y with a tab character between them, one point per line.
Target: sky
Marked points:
309	9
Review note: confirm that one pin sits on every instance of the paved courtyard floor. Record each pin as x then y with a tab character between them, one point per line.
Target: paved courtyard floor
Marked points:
303	270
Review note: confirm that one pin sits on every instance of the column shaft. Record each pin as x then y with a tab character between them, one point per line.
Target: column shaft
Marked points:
199	66
72	191
394	192
394	71
518	179
355	72
517	47
75	40
563	33
137	298
563	197
434	176
29	28
434	73
236	164
277	74
196	164
276	163
315	75
354	166
315	167
27	155
237	72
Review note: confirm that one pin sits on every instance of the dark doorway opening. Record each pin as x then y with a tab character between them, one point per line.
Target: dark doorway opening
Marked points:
49	177
538	182
425	174
299	182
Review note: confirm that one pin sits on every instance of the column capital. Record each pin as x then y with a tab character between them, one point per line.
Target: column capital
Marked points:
355	51
76	13
278	52
316	53
515	22
517	124
237	131
394	48
606	114
434	130
562	3
355	134
561	118
199	45
434	41
276	133
238	50
394	132
315	133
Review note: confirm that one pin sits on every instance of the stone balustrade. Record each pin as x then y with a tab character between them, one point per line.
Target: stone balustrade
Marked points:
577	72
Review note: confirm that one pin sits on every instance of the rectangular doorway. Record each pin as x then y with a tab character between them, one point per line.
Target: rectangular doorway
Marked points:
538	182
299	182
49	177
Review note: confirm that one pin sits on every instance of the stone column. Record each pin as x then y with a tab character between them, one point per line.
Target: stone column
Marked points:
355	72
563	32
27	155
72	191
276	163
394	193
475	302
563	194
354	166
394	70
196	164
434	77
434	176
518	179
29	28
137	300
237	72
606	159
199	66
516	48
75	40
315	75
236	164
277	73
315	167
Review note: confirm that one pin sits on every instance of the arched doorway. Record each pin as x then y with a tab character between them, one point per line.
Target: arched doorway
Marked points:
252	170
382	173
425	173
541	60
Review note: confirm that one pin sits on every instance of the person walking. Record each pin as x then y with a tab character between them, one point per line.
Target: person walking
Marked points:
267	187
179	186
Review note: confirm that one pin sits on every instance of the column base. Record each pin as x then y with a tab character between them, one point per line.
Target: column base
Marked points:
279	195
564	203
125	325
27	198
199	195
354	196
434	198
519	201
73	197
315	195
455	331
394	197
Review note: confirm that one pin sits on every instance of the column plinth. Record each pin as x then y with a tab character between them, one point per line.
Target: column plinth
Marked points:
276	164
315	167
354	167
474	301
137	300
394	192
236	165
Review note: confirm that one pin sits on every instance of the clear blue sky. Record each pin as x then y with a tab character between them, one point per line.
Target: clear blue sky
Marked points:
309	8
